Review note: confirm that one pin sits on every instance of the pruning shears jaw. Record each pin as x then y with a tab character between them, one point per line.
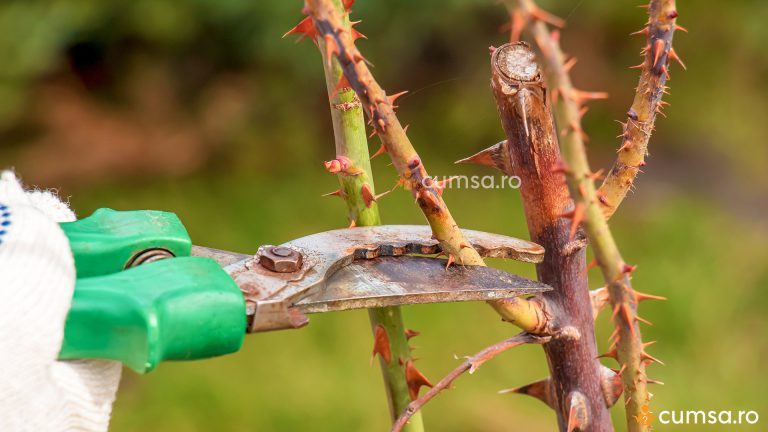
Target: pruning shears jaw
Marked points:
366	267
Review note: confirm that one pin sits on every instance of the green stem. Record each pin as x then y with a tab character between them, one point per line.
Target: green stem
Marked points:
351	142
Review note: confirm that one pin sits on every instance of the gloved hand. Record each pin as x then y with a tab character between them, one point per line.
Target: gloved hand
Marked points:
37	279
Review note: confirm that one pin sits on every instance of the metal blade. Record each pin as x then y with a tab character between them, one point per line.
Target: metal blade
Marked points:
391	281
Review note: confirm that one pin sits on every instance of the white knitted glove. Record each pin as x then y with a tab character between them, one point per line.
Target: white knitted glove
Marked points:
37	279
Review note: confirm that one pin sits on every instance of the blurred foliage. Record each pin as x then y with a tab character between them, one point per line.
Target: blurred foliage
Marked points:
199	107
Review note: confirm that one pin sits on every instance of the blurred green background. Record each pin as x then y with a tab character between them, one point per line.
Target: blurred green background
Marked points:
199	107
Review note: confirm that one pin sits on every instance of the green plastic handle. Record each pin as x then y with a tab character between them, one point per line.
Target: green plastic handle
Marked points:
173	309
108	240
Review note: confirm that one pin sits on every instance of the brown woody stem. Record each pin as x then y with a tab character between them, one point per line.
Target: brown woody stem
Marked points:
532	149
470	365
587	207
647	103
413	175
359	194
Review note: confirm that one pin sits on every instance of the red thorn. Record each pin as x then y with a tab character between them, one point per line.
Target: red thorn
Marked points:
547	17
665	71
598	175
368	197
338	193
581	96
347	4
577	216
381	149
411	333
673	55
610	354
306	28
637	66
569	64
628	269
583	111
373	132
643	31
415	380
658	48
330	48
681	28
381	344
451	260
592	264
342	84
647	357
639	296
439	185
626	313
394	97
382	124
517	24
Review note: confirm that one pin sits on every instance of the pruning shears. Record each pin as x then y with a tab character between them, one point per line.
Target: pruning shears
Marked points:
145	294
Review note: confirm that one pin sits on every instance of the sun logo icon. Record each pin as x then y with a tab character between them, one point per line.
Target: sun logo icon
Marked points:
646	417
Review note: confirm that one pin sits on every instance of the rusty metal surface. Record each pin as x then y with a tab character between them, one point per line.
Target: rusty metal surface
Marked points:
389	281
269	295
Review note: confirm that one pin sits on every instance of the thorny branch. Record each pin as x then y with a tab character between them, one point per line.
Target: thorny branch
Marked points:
647	103
627	346
471	365
527	314
358	192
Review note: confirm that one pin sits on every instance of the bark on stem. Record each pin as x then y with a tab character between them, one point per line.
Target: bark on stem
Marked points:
531	152
629	349
641	116
339	43
357	190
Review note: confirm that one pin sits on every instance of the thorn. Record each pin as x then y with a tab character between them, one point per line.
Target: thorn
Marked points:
493	157
673	55
578	413
451	260
672	14
626	313
306	28
415	380
643	320
628	269
368	197
517	23
342	84
491	49
592	264
614	336
610	354
658	48
382	125
542	15
643	31
597	175
464	245
610	382
338	193
638	296
665	71
583	111
681	28
411	334
352	224
374	132
581	96
577	216
615	311
381	344
638	66
330	49
649	358
439	185
348	4
381	149
392	98
599	299
541	390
